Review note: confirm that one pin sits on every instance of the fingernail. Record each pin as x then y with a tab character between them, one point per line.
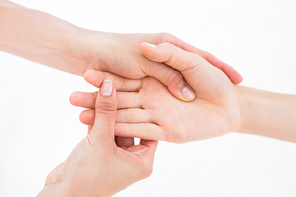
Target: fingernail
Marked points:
151	45
107	88
188	94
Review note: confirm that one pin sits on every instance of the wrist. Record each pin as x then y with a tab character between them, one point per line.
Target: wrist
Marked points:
244	101
76	51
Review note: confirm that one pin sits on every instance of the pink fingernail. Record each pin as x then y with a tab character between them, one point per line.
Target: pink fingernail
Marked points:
107	88
188	94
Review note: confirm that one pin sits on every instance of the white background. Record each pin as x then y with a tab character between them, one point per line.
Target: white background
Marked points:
39	127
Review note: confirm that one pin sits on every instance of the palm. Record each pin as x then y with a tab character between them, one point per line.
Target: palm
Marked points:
185	121
152	113
148	111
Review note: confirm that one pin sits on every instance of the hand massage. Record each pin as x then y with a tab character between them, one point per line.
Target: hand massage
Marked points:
154	87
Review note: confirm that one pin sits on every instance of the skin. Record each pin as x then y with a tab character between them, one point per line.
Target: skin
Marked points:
45	39
98	166
148	111
155	114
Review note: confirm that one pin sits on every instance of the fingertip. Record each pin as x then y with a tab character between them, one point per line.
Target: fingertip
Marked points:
87	117
181	91
239	79
88	74
94	77
147	48
232	74
107	88
151	145
73	98
188	94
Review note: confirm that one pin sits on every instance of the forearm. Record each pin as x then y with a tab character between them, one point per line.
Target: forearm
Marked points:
42	38
268	114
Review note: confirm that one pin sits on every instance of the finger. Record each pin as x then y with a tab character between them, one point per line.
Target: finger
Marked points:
232	74
87	117
171	55
124	142
147	131
200	74
87	100
105	113
151	144
128	100
121	84
147	154
134	115
171	78
83	99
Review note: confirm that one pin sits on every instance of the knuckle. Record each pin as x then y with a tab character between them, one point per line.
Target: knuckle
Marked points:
105	107
199	59
175	77
164	36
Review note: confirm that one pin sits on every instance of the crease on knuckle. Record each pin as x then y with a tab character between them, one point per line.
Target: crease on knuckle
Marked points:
175	77
105	107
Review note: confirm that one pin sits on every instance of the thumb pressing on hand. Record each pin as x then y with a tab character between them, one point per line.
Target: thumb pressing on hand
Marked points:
205	79
102	131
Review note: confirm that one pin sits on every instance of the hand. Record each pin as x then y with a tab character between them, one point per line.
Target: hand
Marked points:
59	44
120	54
150	112
97	166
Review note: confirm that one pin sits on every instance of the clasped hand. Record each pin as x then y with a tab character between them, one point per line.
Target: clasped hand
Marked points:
147	110
100	166
143	108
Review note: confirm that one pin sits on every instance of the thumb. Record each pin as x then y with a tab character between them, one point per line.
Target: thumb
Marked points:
171	78
105	113
203	77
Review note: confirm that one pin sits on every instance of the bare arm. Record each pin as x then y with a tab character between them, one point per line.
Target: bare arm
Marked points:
41	38
268	114
45	39
219	108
